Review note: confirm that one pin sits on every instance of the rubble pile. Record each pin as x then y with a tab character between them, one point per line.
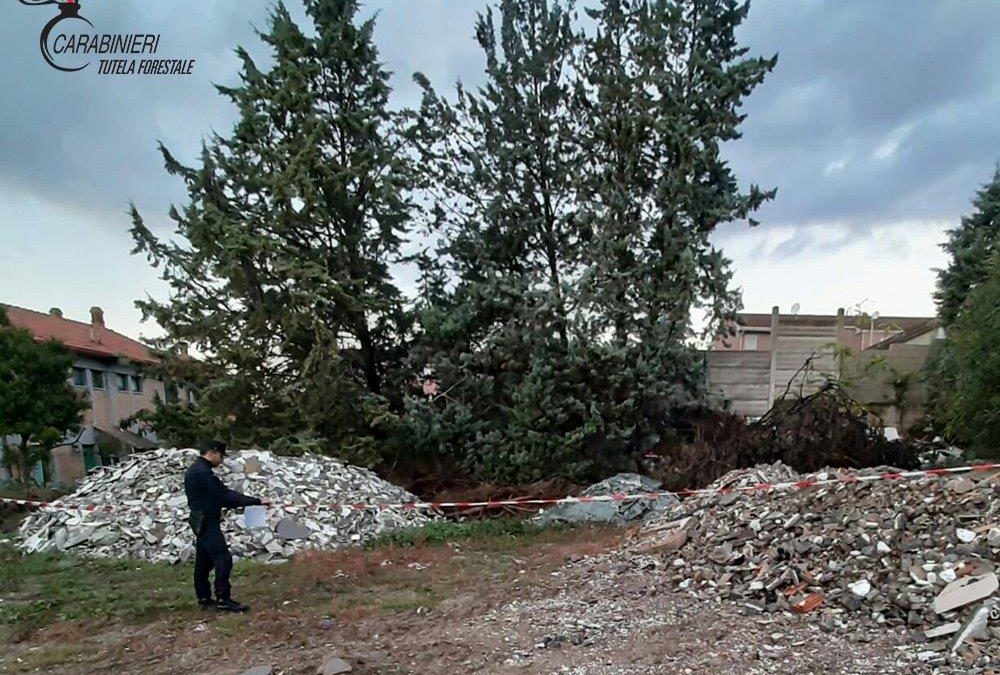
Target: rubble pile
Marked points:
937	453
775	472
615	512
139	509
914	553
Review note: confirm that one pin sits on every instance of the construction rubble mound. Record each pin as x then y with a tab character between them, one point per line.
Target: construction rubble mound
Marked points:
137	509
896	552
618	512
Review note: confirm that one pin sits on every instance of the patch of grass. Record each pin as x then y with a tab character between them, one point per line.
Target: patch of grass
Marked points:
50	655
42	589
403	570
407	600
443	532
231	624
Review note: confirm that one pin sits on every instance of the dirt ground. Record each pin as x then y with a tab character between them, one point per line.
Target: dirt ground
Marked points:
554	604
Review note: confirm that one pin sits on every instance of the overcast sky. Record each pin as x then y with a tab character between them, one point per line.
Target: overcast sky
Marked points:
877	126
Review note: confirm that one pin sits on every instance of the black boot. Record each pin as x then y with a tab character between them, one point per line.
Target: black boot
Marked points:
230	605
206	603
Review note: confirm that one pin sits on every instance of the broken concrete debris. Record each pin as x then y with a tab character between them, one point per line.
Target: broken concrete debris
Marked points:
975	627
861	588
942	630
259	670
937	454
290	529
917	554
140	511
960	485
335	666
617	512
964	591
965	536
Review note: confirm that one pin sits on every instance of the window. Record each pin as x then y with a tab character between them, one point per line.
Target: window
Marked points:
122	382
750	341
190	395
80	377
98	377
136	384
171	392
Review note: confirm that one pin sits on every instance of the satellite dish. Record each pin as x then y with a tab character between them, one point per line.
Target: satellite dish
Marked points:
795	309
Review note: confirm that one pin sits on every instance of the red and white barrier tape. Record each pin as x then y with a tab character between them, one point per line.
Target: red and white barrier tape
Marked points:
617	497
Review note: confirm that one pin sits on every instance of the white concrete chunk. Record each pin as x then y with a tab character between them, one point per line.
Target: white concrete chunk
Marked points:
966	590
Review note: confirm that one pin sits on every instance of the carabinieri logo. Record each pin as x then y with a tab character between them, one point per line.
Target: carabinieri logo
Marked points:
68	39
70	9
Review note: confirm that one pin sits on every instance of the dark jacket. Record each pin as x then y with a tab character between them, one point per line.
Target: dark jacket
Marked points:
207	495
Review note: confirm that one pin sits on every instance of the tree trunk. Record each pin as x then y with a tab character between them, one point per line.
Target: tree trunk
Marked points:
552	257
23	462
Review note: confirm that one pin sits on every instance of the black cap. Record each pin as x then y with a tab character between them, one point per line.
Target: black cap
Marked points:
218	446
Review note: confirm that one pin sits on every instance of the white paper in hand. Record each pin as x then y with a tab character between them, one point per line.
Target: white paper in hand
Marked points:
254	517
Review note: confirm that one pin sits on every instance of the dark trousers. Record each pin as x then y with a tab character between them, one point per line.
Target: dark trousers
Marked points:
211	552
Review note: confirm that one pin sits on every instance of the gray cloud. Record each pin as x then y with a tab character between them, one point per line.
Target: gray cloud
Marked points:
874	113
90	141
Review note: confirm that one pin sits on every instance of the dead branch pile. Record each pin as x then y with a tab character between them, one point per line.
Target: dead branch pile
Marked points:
825	428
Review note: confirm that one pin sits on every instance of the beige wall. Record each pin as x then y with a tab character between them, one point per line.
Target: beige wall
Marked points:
150	391
752	380
743	379
740	377
100	408
67	464
869	377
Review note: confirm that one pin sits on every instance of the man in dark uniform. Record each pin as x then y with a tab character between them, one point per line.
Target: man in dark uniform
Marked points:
207	496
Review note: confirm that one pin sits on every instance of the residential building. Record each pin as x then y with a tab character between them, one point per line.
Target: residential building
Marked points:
771	354
922	334
107	369
754	332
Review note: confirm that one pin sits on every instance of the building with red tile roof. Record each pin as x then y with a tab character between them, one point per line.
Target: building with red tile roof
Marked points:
108	370
90	339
